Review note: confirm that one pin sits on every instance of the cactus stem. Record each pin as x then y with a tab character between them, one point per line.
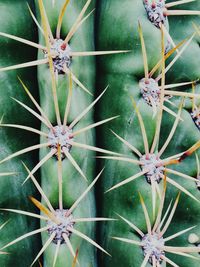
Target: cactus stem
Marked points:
59	222
153	243
57	51
153	167
59	137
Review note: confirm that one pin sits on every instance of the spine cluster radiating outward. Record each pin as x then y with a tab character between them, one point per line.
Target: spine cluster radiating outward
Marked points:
144	123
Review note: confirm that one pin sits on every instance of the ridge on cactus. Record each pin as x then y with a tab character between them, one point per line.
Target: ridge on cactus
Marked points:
59	137
153	242
151	164
149	87
60	223
57	52
158	12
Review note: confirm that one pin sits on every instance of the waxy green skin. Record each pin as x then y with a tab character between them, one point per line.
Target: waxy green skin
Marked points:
15	19
123	73
73	183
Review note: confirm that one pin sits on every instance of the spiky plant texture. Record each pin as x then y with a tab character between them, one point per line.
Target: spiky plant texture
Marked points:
66	115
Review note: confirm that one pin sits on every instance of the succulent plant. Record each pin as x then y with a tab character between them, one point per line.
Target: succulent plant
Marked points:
129	117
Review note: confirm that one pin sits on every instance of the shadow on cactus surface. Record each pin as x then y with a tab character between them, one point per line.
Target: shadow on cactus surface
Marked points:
145	124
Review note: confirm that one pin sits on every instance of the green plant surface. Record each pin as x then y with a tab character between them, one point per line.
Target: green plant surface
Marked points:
123	75
110	92
15	19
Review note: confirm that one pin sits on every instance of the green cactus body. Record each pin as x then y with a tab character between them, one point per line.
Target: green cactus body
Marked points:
123	76
150	146
73	183
15	19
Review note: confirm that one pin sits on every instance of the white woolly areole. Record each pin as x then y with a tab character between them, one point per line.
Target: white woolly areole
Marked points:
60	229
60	135
61	55
195	114
154	164
151	244
150	91
156	13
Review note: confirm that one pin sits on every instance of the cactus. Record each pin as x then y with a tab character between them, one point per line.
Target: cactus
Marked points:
142	120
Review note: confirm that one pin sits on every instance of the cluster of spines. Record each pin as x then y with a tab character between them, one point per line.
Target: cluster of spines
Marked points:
62	150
